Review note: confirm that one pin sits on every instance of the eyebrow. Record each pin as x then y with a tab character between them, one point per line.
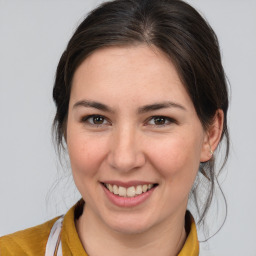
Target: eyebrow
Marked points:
92	104
141	110
161	105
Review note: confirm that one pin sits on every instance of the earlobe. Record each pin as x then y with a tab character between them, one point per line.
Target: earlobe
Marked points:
212	136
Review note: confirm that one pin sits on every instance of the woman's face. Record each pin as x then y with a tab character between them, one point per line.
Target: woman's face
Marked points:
134	139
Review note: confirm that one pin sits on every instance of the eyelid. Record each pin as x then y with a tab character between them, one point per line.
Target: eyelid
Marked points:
106	122
169	119
85	119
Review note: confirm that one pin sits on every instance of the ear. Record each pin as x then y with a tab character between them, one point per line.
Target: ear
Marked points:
212	136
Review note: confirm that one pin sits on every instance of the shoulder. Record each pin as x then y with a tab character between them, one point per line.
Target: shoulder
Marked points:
31	241
191	245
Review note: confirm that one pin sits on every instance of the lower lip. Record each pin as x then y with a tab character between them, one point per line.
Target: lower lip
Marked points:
128	201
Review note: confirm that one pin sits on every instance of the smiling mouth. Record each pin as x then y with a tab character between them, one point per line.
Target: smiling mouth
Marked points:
132	191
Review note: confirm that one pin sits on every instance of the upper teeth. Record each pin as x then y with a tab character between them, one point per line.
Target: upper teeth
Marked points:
128	192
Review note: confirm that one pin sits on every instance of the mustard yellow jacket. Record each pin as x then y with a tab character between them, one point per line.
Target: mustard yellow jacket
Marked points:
33	241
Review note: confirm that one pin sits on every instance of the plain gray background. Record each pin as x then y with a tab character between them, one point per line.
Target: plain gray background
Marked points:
33	34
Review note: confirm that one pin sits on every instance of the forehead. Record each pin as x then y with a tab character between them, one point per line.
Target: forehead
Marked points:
130	60
139	72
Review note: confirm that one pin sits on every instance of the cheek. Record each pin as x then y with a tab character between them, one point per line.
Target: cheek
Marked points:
86	158
85	154
177	159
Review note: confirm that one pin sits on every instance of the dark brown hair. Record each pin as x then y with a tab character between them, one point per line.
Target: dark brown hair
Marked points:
179	31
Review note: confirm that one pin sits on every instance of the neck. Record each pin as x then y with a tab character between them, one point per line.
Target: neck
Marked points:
164	239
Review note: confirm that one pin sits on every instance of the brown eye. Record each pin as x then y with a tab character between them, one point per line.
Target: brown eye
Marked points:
159	120
98	120
95	120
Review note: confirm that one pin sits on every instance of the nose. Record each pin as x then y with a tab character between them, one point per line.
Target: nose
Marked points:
126	152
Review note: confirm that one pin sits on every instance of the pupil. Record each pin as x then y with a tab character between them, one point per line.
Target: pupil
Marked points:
98	120
159	120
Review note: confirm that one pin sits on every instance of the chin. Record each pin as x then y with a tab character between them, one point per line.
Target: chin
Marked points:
130	229
129	225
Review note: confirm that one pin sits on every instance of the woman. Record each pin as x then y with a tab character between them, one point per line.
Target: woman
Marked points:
142	105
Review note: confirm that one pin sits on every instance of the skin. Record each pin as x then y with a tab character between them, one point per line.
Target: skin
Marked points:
130	145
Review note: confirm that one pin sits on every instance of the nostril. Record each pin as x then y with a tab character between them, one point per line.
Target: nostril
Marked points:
126	161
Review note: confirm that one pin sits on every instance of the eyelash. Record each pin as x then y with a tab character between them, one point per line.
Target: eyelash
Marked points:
152	118
165	118
86	120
